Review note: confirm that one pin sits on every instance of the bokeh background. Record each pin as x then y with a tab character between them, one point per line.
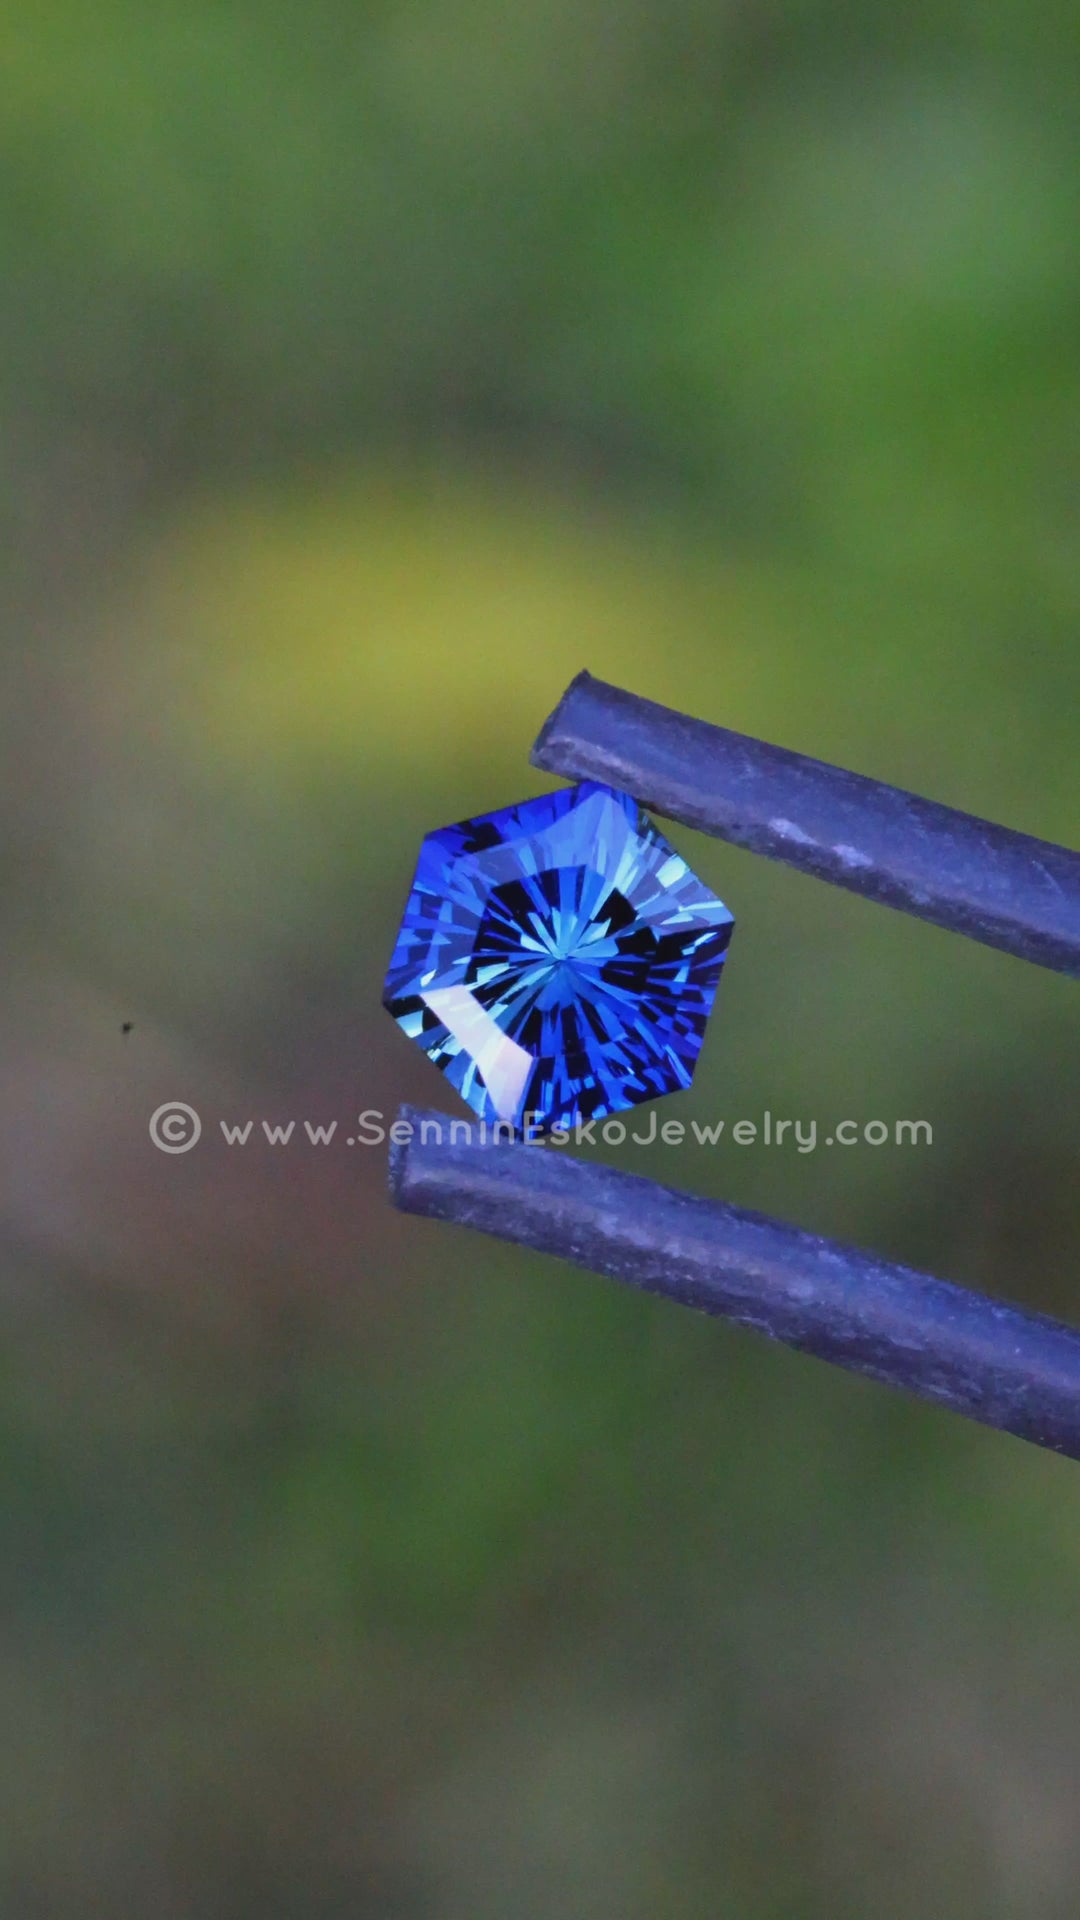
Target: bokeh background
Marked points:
365	371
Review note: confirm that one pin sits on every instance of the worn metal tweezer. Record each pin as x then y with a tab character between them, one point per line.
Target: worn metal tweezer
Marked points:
1009	1369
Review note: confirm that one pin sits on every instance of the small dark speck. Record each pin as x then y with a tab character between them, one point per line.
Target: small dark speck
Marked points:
127	1026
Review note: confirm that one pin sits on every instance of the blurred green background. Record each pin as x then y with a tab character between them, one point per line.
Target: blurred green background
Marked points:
364	372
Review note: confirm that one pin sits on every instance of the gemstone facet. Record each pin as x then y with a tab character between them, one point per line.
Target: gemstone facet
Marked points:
557	960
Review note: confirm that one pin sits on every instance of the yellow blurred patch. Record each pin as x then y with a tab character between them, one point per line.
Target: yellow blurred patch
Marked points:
405	622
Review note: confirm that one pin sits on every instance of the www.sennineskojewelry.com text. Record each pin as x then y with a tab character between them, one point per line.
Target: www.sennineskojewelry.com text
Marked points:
176	1127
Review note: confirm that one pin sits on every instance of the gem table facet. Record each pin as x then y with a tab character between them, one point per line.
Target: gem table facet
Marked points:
557	960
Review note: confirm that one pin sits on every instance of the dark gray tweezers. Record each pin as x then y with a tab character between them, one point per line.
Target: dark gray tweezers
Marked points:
1003	888
1013	1370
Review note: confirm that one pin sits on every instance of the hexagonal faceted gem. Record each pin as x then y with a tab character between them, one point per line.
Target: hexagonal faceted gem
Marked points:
557	960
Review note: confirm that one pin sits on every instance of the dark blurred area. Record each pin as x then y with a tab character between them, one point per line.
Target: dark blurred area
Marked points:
365	371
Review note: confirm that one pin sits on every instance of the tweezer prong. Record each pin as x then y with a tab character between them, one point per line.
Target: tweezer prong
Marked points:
1005	889
1006	1368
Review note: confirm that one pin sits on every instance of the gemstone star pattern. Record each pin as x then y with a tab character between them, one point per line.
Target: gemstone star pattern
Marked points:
557	960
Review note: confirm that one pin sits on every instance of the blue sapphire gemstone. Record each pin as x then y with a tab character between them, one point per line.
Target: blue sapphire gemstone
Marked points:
557	960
